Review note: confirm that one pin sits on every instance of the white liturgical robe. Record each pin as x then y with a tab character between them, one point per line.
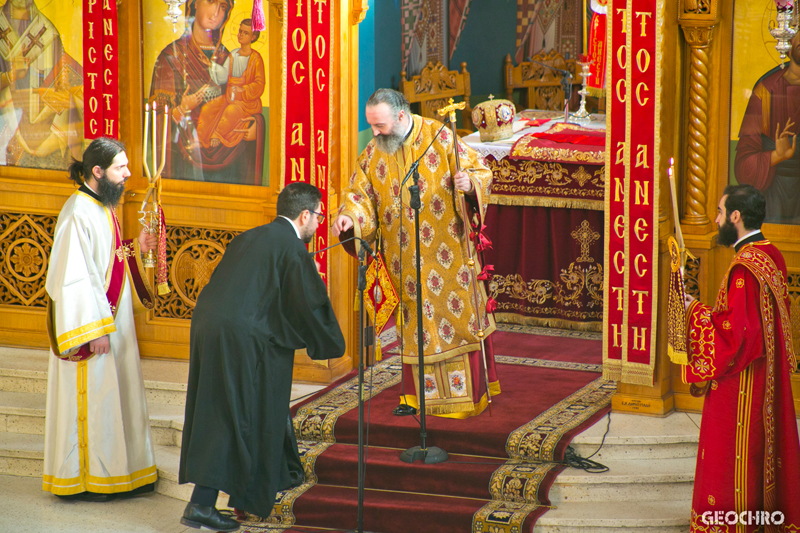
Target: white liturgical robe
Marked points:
97	432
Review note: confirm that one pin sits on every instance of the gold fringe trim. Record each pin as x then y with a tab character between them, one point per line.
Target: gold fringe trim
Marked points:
560	323
679	357
546	201
494	388
458	411
595	91
163	288
636	377
612	374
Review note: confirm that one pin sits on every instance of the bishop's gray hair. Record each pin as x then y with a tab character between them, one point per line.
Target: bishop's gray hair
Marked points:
395	100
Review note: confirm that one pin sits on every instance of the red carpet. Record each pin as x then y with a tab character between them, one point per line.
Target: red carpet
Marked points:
500	468
574	350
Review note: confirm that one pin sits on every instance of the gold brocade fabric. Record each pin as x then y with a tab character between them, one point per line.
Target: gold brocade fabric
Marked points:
451	315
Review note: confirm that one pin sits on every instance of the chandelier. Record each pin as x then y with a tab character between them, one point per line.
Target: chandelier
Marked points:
784	28
173	12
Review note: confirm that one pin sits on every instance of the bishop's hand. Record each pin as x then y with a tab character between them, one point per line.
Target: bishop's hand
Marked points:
463	183
342	223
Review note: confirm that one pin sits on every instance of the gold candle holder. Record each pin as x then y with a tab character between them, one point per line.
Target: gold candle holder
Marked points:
149	212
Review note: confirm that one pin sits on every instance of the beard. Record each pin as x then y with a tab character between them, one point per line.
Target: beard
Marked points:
306	234
391	142
727	234
108	192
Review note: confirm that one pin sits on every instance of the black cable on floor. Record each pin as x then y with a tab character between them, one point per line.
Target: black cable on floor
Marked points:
572	459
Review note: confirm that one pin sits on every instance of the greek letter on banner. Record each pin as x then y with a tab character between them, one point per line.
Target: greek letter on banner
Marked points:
306	128
632	192
100	69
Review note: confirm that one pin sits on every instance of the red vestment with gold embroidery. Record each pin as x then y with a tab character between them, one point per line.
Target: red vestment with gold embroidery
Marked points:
749	457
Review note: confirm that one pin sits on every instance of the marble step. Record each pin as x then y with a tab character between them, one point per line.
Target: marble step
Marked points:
24	412
617	517
640	437
638	480
627	480
25	370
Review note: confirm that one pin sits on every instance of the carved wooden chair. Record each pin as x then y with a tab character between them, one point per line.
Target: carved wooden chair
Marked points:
542	85
432	88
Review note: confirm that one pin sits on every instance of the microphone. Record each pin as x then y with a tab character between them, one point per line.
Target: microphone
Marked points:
415	164
364	244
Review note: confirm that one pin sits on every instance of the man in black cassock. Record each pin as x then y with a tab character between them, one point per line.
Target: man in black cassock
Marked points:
264	301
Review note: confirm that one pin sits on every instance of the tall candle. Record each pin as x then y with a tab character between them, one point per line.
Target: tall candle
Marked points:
146	126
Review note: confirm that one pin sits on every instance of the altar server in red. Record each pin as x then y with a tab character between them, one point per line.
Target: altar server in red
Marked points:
748	460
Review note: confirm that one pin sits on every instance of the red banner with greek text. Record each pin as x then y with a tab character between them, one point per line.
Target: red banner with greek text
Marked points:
596	50
100	69
306	128
630	313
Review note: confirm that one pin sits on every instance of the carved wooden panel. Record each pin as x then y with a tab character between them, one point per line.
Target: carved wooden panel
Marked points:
691	277
193	254
25	243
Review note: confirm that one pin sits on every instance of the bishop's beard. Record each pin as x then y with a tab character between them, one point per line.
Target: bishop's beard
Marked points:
391	142
109	193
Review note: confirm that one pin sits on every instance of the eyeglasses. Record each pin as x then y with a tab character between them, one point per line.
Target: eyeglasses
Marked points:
320	216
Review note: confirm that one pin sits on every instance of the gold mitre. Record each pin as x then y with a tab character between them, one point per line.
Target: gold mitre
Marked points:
494	119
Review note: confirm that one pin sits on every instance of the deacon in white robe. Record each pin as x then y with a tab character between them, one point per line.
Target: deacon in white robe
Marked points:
97	434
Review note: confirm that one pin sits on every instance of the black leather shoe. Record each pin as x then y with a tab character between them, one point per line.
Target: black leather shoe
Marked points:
207	517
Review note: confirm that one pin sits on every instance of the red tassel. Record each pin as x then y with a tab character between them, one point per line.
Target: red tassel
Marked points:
259	20
486	273
483	242
491	305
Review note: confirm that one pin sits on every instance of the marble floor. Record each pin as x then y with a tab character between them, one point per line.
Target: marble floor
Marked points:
25	508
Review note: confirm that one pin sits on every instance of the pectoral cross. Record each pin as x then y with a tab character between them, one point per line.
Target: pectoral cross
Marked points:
4	37
35	41
585	235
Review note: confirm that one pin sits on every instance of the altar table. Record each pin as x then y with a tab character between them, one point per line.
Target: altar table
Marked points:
545	220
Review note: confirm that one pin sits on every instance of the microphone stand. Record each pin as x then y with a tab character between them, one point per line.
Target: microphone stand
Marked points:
566	86
362	285
433	454
363	250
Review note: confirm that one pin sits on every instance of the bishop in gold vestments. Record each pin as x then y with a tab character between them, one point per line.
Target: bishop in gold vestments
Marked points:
377	203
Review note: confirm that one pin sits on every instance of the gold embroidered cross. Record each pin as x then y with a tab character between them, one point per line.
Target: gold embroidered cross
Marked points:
585	236
124	252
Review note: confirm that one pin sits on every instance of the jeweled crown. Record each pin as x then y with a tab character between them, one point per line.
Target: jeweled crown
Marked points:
494	119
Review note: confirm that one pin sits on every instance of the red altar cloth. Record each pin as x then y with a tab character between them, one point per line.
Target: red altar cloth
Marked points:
545	220
563	143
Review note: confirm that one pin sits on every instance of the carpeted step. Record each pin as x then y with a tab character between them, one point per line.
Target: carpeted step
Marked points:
461	476
484	435
327	506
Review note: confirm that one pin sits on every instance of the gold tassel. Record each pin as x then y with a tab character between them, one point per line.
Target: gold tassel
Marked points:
163	288
355	304
378	354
